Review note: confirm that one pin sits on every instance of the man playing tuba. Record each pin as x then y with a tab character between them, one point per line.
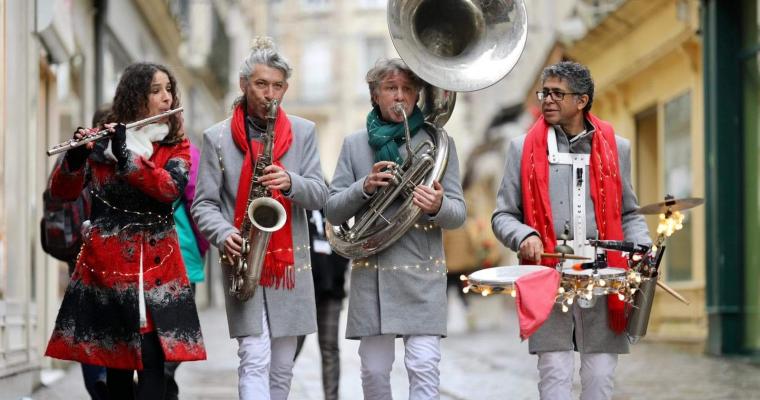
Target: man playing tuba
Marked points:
401	290
266	330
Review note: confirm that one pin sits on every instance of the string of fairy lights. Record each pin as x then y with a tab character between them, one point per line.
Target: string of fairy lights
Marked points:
585	288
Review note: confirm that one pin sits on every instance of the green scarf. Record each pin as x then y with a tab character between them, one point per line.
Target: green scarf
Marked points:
385	137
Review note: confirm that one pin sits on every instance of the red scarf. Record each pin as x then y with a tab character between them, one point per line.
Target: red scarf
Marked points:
606	194
278	262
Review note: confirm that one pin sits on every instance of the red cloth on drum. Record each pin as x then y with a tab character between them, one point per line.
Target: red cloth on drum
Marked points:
606	194
535	298
278	261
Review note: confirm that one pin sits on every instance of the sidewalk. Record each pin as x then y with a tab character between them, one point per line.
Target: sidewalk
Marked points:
489	363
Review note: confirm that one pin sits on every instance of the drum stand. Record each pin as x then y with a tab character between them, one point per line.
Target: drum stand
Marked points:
602	280
648	264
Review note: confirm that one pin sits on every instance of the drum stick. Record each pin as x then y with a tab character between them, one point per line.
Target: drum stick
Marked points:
672	292
564	256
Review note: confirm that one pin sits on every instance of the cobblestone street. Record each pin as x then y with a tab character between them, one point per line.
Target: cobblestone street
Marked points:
489	362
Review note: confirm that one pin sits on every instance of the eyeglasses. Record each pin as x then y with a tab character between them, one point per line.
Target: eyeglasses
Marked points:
556	95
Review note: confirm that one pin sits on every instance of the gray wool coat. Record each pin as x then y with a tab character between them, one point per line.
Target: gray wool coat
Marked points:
290	312
402	289
557	333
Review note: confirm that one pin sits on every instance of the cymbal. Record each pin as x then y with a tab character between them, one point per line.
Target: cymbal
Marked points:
670	205
564	256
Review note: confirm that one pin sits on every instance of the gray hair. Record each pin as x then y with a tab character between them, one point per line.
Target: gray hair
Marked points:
577	76
264	52
387	66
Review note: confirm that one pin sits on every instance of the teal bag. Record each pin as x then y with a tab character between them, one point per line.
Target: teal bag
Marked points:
191	255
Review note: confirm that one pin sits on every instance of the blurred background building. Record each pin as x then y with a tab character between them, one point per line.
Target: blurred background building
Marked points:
61	59
679	78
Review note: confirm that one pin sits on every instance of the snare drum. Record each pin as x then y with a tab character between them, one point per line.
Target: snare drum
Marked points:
587	284
499	279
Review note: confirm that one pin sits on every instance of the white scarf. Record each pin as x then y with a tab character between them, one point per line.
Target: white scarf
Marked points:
140	141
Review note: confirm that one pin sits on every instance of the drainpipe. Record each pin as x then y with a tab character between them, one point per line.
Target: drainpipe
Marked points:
724	177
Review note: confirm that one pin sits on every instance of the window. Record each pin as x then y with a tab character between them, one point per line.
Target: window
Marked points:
115	60
678	182
315	5
219	57
371	49
373	3
647	162
317	71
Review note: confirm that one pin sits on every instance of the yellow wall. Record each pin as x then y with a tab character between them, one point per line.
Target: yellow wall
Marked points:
644	55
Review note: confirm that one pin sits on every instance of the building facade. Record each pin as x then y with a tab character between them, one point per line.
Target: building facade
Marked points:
61	59
680	80
645	58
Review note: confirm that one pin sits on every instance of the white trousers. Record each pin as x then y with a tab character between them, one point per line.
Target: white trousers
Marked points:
555	370
421	358
266	365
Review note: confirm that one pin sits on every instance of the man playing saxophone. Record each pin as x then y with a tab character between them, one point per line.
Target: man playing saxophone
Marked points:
401	290
282	308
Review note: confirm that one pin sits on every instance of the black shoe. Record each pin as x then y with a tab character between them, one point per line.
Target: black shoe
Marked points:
101	390
172	391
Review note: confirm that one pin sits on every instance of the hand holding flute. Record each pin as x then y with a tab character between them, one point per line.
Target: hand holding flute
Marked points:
80	146
86	136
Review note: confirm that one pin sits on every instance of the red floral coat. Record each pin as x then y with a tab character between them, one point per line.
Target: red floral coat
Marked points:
131	223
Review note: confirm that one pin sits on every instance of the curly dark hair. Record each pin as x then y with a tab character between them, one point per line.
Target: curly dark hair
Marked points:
130	103
577	76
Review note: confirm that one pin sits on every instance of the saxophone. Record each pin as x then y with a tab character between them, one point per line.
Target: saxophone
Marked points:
264	215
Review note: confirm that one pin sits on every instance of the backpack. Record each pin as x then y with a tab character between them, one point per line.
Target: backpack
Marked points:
61	225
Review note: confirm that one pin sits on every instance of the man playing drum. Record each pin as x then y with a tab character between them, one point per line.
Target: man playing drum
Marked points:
400	291
571	168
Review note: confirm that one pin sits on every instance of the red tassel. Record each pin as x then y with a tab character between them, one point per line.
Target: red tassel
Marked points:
280	274
616	314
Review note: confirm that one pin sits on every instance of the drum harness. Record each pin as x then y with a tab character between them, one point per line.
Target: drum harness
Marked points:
579	162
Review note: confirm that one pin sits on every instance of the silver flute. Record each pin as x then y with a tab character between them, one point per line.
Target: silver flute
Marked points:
72	143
